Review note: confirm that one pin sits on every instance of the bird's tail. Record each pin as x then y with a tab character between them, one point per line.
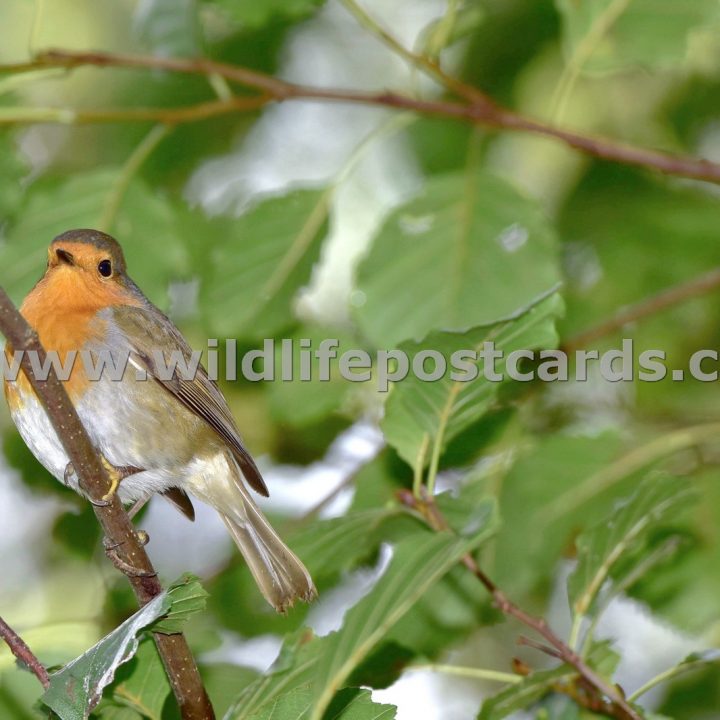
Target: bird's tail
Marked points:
280	575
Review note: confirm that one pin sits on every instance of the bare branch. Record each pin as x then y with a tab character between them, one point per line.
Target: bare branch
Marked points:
474	107
94	481
675	295
23	653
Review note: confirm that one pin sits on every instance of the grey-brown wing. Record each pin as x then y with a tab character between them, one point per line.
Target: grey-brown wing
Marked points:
149	331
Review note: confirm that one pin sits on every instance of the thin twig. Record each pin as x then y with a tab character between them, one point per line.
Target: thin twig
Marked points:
429	509
176	656
23	653
481	110
675	295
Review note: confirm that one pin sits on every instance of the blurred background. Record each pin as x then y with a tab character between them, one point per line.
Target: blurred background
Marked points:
371	205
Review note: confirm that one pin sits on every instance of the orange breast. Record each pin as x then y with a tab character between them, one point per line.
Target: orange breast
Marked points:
62	308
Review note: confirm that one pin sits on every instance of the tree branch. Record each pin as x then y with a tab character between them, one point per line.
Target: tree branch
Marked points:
695	287
427	507
23	653
179	664
474	107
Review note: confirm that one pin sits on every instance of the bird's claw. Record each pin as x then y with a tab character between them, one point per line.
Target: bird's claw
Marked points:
116	474
123	566
115	477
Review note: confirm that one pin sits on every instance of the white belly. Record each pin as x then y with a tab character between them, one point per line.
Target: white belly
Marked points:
106	430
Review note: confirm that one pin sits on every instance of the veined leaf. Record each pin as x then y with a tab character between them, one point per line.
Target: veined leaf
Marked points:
352	704
256	14
331	546
523	694
319	667
419	561
145	687
419	415
618	33
532	688
188	598
169	27
659	498
264	259
146	227
77	688
470	250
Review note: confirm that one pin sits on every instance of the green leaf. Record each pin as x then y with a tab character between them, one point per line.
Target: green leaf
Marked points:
330	546
293	670
353	704
422	416
142	684
535	686
300	402
188	598
450	28
257	268
468	251
77	688
657	501
612	34
523	694
12	170
256	13
418	562
146	227
112	712
169	27
324	664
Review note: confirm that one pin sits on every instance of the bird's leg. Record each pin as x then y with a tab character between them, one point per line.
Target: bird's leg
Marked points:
116	474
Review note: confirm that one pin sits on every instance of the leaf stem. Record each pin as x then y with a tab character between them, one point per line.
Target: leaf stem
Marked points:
669	674
133	164
471	672
583	52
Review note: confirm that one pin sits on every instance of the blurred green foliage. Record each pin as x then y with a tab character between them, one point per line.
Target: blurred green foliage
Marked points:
503	236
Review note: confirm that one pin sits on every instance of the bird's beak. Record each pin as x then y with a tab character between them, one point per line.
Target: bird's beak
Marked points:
65	257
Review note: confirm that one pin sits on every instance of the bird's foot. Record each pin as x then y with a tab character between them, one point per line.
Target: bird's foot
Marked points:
116	473
111	550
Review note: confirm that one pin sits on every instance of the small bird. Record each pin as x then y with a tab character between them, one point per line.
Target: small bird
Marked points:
155	435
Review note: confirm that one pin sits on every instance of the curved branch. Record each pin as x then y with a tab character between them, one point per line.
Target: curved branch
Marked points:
476	108
94	481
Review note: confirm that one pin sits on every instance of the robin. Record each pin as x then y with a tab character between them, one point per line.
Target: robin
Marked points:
155	435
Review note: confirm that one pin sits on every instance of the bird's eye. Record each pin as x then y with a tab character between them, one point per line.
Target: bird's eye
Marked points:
105	268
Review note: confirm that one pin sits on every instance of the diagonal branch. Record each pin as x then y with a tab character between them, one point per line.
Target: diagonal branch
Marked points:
667	298
557	648
18	647
94	481
474	107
